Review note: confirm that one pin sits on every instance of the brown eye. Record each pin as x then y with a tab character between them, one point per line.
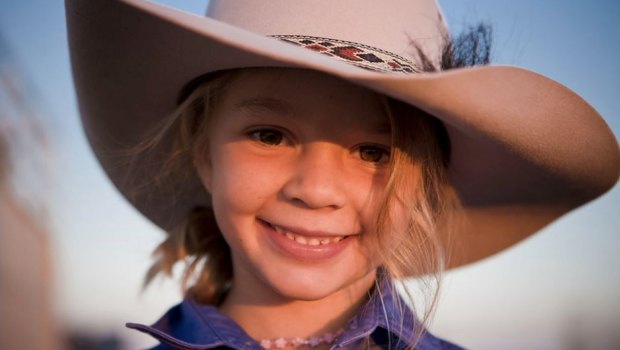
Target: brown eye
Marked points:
374	154
267	136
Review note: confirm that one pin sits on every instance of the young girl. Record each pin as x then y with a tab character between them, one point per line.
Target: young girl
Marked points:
300	184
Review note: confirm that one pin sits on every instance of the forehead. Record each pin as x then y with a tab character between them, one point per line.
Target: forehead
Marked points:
304	92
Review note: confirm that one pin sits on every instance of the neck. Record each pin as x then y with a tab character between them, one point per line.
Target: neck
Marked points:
264	314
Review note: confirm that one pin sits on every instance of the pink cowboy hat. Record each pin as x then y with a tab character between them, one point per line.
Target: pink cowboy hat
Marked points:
524	149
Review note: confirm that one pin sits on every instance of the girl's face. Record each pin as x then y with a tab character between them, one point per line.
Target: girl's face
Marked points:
296	163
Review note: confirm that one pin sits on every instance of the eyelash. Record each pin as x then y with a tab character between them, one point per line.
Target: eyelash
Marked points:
383	154
259	136
378	154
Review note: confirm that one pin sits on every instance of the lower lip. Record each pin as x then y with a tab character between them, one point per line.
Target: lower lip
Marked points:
300	251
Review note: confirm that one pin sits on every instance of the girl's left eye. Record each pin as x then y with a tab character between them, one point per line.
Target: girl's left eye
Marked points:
269	137
374	154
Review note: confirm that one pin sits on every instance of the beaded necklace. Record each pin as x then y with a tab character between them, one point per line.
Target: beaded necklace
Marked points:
296	342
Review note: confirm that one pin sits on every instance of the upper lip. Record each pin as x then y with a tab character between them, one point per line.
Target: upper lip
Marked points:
305	232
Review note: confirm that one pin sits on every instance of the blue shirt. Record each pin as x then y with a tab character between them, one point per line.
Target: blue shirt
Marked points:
384	318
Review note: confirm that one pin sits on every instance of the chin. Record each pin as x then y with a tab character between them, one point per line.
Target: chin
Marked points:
318	285
304	292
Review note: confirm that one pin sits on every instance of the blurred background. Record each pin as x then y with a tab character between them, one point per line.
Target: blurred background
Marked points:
73	253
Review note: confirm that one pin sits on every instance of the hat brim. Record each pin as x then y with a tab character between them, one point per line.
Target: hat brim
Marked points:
525	149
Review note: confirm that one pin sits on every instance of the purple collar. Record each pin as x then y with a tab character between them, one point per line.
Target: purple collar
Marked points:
386	319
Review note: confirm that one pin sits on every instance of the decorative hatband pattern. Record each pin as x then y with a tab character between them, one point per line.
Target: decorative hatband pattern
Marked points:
360	55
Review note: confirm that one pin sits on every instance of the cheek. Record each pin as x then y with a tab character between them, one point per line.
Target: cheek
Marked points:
372	196
242	183
384	221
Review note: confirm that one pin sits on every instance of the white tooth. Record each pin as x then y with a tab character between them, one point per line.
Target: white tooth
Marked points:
325	241
300	239
289	236
314	241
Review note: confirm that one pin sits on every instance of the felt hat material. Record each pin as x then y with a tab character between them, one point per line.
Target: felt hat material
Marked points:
524	149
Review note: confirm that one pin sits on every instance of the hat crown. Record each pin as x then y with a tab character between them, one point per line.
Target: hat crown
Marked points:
396	26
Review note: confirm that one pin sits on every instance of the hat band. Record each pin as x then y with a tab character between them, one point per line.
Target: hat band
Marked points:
357	54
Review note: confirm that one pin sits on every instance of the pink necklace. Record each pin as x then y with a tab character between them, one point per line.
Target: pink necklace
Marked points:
296	342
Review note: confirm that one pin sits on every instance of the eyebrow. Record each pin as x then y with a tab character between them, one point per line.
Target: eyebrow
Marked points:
383	127
271	104
261	103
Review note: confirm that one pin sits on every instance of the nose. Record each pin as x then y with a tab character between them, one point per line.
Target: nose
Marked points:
317	180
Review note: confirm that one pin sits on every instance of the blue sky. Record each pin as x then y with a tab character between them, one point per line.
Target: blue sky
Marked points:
560	278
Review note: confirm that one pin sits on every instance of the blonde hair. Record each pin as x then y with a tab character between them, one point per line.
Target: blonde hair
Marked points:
417	186
196	240
418	189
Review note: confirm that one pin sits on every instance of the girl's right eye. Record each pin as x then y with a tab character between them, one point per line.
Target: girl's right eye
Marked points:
269	137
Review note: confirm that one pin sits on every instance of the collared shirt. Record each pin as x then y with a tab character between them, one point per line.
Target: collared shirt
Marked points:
384	319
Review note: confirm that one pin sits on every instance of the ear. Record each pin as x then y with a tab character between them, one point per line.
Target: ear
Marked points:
203	169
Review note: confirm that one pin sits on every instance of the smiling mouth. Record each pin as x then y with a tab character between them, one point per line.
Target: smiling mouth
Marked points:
305	239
